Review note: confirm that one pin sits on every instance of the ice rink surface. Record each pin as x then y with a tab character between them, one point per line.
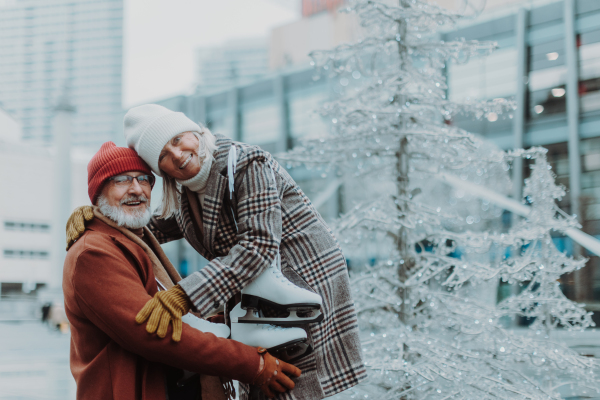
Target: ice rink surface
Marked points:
34	363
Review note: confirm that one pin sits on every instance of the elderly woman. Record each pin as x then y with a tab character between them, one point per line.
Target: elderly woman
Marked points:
241	231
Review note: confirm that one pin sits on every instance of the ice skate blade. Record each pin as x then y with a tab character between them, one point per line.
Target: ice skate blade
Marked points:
292	319
291	351
250	302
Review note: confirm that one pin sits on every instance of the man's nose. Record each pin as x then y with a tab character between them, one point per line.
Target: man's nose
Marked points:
135	188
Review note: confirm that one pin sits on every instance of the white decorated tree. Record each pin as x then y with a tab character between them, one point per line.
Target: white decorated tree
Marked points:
431	326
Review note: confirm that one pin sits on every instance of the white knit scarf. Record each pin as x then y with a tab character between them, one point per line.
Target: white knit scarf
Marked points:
198	182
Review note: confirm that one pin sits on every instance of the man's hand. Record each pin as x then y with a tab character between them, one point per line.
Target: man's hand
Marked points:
164	307
273	377
76	223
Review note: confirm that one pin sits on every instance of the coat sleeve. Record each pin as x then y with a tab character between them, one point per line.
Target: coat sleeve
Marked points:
165	230
109	291
257	242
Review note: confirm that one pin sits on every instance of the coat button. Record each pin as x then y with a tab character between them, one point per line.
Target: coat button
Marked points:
216	305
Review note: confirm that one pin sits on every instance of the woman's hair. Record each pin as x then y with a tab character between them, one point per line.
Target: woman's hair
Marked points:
171	199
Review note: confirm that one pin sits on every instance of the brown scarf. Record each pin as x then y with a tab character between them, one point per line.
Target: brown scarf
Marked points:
213	387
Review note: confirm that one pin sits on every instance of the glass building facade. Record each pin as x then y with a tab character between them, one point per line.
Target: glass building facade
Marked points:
548	60
54	48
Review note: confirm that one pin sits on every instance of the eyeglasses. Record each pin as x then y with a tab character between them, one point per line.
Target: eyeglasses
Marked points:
127	180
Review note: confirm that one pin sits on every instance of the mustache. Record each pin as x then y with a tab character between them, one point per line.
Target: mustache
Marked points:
141	199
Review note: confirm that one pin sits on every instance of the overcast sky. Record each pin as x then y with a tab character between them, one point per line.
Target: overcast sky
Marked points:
160	37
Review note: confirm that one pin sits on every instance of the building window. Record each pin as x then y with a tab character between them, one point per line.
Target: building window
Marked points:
221	121
589	73
30	254
26	226
303	106
260	122
484	78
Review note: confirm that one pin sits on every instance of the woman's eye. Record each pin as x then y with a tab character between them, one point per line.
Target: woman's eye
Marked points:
176	139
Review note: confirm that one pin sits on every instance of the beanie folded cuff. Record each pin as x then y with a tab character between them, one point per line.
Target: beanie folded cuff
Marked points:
110	161
158	134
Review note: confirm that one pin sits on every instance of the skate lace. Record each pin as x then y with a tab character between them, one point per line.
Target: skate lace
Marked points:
281	277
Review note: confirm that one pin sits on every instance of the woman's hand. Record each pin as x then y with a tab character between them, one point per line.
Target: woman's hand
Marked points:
273	376
165	307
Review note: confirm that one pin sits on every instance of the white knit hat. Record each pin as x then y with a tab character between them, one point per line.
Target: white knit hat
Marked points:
149	127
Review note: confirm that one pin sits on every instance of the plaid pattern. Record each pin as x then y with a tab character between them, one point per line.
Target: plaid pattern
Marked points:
311	258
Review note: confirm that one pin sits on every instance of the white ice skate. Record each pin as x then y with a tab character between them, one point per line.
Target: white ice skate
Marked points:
272	289
219	330
287	344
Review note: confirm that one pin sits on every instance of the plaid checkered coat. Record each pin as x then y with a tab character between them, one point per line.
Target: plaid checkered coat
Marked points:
271	218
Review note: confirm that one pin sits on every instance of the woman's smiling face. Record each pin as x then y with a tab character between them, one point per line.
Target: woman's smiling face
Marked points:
179	157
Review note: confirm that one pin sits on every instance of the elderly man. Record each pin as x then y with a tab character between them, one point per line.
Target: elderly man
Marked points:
110	273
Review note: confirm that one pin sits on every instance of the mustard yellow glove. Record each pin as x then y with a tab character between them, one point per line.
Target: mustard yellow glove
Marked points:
76	223
166	306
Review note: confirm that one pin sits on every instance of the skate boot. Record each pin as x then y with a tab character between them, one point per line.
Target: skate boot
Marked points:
219	330
287	344
273	290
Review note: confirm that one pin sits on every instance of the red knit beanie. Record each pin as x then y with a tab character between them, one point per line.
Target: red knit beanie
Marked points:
110	161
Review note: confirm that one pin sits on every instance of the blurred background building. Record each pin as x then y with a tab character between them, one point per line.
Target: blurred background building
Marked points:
27	209
53	47
321	27
51	50
264	92
10	129
234	63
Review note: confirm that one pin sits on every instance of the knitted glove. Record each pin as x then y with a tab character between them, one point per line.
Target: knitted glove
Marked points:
76	223
164	307
273	375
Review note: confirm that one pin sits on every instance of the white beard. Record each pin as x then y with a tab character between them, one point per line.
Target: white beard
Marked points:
134	220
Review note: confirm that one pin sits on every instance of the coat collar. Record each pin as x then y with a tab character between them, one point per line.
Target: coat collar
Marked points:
245	154
161	265
97	225
101	227
216	187
215	190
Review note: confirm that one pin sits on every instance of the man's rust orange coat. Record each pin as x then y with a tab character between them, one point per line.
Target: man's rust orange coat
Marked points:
107	280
